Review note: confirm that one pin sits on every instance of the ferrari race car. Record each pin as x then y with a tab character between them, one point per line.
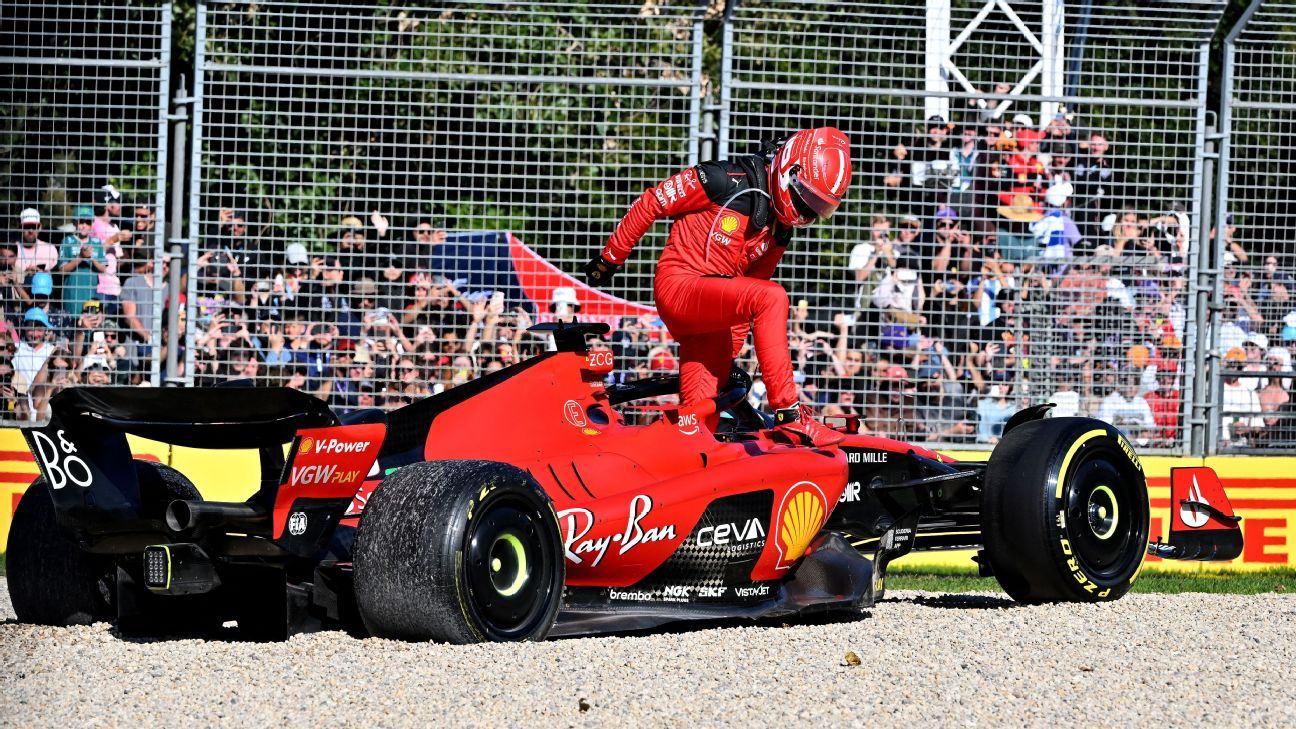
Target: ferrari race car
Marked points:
521	505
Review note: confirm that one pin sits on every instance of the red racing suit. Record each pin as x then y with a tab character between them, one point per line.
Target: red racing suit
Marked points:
712	280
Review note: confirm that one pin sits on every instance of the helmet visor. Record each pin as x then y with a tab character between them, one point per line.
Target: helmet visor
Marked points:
810	201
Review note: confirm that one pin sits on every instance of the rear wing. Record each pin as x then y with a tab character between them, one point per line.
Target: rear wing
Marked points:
198	417
86	460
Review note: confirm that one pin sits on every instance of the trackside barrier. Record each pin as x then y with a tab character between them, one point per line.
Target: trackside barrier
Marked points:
1262	495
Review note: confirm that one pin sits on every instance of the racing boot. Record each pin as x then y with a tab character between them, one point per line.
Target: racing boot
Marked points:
799	426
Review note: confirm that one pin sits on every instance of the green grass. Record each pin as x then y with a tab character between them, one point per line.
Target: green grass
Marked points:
954	579
950	579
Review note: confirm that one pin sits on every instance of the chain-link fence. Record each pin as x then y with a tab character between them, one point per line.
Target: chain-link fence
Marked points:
1256	332
83	143
383	198
382	194
1022	220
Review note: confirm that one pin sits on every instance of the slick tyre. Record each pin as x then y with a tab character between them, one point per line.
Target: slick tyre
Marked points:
51	580
459	552
1065	512
159	485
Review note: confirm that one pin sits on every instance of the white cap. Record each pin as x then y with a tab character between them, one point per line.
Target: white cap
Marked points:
1258	340
29	216
1056	196
296	253
1023	120
565	295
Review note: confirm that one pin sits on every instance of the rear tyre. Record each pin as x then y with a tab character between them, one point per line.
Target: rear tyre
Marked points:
460	552
51	580
1065	512
152	615
159	485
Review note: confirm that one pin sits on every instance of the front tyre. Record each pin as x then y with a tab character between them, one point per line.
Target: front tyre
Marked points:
460	552
1065	513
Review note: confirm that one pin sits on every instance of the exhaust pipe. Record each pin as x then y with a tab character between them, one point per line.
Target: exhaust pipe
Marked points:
187	516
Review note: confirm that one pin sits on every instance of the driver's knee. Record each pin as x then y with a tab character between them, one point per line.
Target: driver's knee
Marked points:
771	299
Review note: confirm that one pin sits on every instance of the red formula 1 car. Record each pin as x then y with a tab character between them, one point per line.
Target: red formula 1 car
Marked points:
520	505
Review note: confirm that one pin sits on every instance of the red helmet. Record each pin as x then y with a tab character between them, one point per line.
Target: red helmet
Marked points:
810	174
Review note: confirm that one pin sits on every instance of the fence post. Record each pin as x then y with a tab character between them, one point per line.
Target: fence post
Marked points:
695	90
1198	337
935	54
195	167
1212	358
726	80
164	154
177	242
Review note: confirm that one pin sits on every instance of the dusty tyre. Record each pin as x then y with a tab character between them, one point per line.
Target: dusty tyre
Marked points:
1065	512
154	615
51	580
159	485
460	552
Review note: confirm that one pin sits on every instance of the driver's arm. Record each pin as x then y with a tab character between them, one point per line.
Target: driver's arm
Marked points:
680	193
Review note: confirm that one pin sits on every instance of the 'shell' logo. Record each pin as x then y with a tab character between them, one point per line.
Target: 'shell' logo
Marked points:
729	223
800	517
307	445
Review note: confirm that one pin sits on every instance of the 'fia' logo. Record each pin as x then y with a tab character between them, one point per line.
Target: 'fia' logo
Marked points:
297	523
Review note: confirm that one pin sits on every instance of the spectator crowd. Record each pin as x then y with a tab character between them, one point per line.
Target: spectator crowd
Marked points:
1006	263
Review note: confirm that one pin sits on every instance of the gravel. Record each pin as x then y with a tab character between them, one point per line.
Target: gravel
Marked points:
966	660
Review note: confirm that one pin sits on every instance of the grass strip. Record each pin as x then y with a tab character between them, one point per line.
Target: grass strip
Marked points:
953	579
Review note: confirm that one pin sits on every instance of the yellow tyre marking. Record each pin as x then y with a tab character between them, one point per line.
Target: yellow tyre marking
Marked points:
1066	462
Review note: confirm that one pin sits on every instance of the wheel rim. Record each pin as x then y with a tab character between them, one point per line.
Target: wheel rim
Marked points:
1104	514
509	569
508	561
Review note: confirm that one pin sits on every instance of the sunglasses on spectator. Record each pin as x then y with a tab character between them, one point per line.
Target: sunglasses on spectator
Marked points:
31	226
84	221
946	224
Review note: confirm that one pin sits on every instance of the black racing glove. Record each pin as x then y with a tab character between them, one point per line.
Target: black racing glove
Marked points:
599	272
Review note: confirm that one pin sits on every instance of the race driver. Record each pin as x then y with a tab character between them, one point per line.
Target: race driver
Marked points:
732	222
